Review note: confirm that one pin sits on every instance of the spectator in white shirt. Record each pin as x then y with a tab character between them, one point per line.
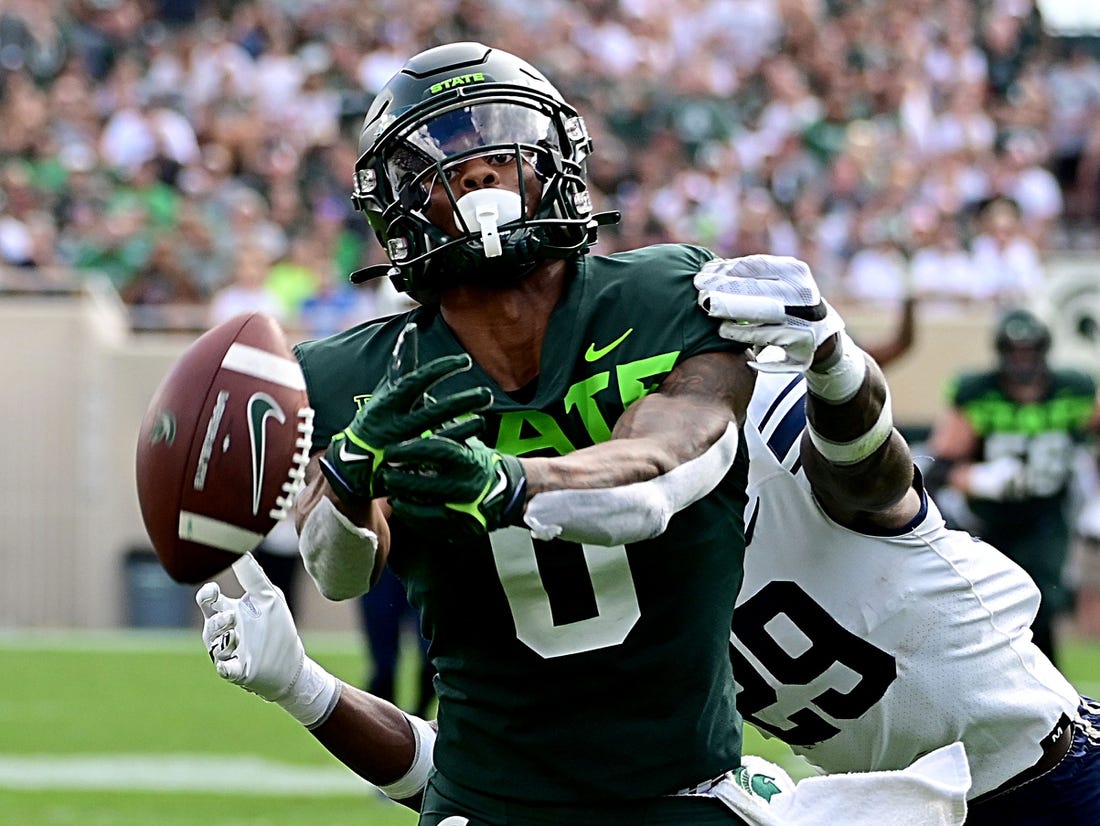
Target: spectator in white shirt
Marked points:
1006	261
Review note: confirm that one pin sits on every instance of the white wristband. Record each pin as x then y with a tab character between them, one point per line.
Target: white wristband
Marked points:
842	379
416	778
849	453
312	696
338	554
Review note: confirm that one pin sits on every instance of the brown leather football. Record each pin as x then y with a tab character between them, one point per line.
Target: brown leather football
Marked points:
223	447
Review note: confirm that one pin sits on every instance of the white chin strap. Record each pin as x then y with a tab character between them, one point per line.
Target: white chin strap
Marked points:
487	209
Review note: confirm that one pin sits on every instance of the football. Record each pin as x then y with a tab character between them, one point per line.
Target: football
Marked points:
223	446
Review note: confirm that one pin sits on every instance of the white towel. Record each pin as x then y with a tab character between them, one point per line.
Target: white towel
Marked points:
930	792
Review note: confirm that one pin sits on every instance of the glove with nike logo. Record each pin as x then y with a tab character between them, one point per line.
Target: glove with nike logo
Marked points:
768	300
398	409
438	482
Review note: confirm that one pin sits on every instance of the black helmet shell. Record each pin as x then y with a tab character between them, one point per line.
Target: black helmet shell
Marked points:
1021	328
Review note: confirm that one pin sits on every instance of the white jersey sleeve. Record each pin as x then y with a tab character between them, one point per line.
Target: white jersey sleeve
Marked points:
864	652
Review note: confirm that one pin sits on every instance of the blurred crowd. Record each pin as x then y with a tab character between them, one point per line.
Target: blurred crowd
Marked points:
200	153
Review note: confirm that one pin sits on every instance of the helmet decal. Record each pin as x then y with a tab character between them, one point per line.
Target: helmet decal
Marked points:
458	80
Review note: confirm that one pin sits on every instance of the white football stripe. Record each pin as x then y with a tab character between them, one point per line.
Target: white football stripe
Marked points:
195	527
252	361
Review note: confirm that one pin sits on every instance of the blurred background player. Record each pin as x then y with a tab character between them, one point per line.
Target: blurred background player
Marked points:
1008	445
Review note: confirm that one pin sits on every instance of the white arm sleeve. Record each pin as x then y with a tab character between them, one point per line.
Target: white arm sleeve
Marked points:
338	554
630	513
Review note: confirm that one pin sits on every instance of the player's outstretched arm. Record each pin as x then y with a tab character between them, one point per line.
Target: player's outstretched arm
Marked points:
860	467
340	515
669	449
380	743
691	410
254	643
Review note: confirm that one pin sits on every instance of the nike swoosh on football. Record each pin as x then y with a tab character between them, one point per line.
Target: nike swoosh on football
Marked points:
592	354
261	407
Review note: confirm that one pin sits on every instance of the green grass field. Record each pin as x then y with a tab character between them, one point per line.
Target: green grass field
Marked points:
135	729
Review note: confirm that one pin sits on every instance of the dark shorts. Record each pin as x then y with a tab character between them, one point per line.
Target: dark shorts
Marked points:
1067	795
443	799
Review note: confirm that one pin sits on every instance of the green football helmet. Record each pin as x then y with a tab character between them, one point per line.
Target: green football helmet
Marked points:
1021	328
445	106
1022	340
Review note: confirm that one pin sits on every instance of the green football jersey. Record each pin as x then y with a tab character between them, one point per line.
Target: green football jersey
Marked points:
1043	434
569	672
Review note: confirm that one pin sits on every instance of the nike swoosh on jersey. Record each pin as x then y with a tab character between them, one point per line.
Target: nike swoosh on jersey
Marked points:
261	407
592	354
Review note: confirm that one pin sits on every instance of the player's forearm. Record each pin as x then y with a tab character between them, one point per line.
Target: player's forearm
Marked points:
855	454
847	420
625	460
368	514
657	433
376	740
666	452
343	547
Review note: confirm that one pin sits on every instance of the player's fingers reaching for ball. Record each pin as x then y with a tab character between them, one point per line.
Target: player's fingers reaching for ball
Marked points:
252	576
444	409
209	599
231	669
223	646
219	624
462	429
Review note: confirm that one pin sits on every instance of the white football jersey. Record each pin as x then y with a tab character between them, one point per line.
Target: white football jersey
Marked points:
865	652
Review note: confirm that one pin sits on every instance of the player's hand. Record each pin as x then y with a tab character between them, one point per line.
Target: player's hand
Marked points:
397	410
254	643
768	300
461	487
1001	480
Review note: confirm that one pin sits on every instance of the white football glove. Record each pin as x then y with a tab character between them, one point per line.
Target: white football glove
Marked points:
768	300
254	643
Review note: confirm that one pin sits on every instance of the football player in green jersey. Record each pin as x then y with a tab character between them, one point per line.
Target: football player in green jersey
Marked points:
1007	443
546	454
253	642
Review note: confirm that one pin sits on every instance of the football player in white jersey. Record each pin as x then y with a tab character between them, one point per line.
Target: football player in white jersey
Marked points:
866	633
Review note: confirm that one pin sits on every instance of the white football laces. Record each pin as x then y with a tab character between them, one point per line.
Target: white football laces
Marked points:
296	477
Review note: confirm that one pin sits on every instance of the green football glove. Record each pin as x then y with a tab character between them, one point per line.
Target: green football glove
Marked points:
399	409
438	482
